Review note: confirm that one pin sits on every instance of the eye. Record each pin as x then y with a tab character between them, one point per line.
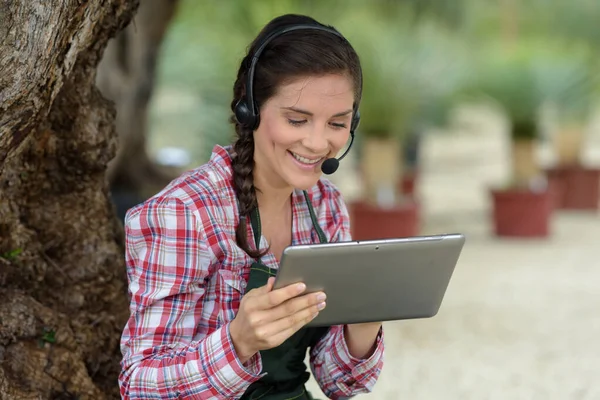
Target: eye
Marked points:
296	122
338	126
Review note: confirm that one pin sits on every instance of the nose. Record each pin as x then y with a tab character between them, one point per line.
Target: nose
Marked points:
316	141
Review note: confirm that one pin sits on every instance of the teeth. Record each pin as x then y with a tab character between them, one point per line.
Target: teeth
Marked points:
305	160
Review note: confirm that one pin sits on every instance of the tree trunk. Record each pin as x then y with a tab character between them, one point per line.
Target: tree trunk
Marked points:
63	295
382	168
525	166
126	76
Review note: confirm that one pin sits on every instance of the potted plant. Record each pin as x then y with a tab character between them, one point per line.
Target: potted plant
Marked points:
522	207
386	109
434	63
570	87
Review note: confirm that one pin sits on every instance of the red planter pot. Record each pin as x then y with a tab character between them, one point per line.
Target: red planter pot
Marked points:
371	222
578	187
408	183
522	213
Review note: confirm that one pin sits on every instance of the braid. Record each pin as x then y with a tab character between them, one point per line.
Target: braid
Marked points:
243	166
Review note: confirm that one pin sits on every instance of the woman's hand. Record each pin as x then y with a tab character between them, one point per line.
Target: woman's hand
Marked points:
266	317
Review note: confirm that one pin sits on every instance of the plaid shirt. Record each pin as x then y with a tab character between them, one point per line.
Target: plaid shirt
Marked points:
186	279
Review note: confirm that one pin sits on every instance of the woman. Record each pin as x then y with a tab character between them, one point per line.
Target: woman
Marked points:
205	321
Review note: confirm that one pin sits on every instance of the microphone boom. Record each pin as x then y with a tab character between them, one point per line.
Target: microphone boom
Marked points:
331	165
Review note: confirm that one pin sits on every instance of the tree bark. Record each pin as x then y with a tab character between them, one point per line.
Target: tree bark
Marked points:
63	298
126	76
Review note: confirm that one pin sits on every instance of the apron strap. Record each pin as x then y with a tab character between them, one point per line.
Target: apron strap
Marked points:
314	219
256	228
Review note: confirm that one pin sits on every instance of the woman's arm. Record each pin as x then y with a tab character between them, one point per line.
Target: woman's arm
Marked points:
168	272
361	339
340	373
349	358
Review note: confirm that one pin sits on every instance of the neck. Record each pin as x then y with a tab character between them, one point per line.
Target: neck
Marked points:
272	195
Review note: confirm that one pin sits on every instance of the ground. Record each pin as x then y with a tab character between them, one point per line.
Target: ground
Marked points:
521	319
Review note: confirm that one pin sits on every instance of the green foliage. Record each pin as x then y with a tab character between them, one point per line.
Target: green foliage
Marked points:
508	79
574	21
11	255
385	106
48	336
519	78
410	72
568	78
451	14
417	56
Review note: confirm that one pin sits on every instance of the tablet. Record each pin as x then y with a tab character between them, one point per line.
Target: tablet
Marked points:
375	280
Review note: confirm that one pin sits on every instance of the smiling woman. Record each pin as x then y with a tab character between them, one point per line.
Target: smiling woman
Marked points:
205	320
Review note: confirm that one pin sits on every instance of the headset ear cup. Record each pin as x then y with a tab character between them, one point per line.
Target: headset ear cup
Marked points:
244	115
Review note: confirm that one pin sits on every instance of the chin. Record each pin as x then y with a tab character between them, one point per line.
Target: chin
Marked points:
302	180
304	183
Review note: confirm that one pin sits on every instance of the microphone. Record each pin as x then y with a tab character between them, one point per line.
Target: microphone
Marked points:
331	165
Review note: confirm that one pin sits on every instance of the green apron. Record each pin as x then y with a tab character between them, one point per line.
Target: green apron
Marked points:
286	371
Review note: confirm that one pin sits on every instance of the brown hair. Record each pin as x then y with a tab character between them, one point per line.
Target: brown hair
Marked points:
293	54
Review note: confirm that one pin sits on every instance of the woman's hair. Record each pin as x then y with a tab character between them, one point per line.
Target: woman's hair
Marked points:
294	54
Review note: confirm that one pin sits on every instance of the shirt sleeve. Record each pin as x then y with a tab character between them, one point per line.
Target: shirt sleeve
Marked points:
167	264
338	373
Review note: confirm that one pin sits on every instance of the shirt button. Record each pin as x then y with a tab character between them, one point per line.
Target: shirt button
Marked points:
243	284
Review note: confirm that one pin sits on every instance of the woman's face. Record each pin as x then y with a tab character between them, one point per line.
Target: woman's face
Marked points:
304	123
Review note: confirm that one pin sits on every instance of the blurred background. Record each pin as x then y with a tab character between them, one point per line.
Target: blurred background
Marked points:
478	117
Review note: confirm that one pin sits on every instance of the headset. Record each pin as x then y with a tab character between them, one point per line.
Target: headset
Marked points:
246	112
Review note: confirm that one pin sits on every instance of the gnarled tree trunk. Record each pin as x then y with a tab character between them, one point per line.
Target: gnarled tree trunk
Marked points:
63	298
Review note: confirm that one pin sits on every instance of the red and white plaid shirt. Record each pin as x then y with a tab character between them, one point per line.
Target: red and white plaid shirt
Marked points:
186	279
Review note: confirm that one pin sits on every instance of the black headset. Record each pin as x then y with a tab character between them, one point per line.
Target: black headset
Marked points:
246	112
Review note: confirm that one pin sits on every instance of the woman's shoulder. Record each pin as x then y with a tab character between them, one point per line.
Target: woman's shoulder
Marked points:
325	194
330	210
205	191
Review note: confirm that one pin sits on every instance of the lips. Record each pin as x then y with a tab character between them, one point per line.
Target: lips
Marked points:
306	160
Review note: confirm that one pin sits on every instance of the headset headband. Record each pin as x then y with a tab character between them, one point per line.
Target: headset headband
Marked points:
263	45
246	111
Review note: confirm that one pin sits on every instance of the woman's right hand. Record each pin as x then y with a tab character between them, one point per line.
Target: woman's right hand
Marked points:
266	317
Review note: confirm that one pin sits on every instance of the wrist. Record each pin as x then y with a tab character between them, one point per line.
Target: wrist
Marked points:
366	326
361	339
243	352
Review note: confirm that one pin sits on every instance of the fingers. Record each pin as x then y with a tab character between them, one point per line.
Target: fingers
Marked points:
313	301
283	328
293	310
271	316
295	313
279	296
270	283
264	298
268	331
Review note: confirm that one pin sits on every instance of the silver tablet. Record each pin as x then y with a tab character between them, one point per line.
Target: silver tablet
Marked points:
377	280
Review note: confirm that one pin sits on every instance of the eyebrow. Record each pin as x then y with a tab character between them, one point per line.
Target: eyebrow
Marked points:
300	111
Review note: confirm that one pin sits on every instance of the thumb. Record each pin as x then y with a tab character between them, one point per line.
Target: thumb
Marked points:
269	286
263	289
